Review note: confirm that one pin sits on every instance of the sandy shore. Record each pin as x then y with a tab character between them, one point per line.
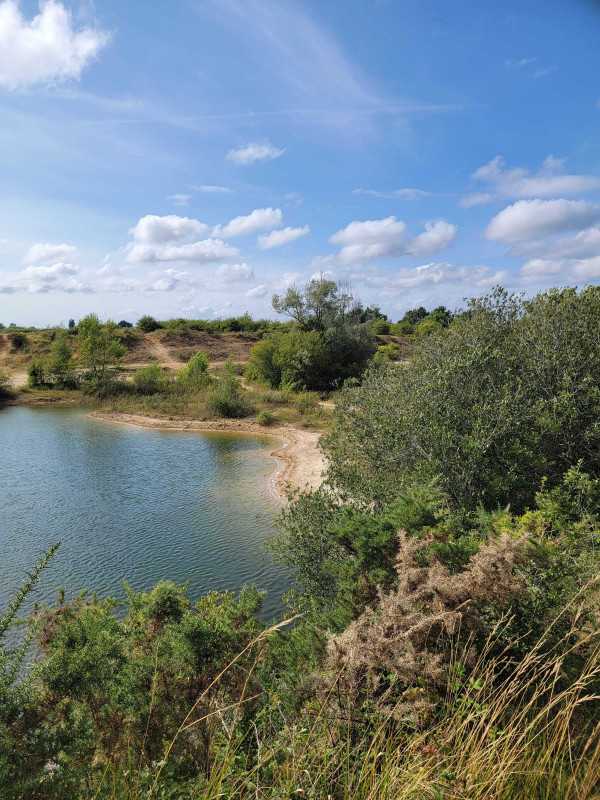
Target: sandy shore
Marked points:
301	462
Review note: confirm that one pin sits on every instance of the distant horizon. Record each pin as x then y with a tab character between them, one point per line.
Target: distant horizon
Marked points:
192	159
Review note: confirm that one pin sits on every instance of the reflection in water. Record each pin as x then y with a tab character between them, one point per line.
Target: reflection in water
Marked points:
133	504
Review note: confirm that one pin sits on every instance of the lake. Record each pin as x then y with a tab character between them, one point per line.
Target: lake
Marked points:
133	504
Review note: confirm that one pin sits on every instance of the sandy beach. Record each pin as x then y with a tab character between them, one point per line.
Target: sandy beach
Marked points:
301	463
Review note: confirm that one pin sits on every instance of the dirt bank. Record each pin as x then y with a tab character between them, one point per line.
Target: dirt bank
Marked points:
301	462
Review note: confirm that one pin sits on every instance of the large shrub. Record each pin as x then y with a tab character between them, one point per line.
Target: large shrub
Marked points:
507	396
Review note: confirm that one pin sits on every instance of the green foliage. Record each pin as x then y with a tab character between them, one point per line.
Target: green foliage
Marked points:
17	339
36	374
227	398
386	353
328	344
99	346
380	327
61	369
151	379
71	323
265	418
5	386
147	324
402	328
427	328
196	371
509	394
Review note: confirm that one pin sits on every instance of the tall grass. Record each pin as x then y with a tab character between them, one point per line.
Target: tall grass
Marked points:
508	732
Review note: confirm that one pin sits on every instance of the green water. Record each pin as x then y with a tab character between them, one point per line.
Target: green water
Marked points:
133	504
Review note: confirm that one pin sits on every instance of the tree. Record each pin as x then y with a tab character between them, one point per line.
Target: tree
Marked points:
147	324
124	324
327	345
60	368
71	323
195	373
415	315
99	346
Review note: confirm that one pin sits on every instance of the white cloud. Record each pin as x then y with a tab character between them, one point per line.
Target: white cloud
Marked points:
153	229
180	199
212	189
518	62
202	252
258	291
530	219
402	194
584	244
384	238
518	182
46	48
233	273
281	237
45	251
569	270
52	273
433	274
258	220
254	151
476	199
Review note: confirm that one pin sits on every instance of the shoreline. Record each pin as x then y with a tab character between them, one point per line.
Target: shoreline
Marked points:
300	466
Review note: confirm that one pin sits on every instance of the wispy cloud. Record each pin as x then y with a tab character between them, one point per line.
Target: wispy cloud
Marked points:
254	151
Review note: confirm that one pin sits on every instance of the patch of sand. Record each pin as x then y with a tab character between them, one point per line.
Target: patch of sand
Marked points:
301	462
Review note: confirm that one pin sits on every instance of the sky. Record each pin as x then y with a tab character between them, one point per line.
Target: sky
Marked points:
192	158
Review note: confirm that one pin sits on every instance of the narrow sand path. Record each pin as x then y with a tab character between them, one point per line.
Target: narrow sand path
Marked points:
301	462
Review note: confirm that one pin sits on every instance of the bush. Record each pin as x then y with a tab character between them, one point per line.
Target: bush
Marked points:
17	339
196	372
36	374
427	327
265	418
227	398
509	394
380	327
124	324
151	379
147	324
5	386
402	328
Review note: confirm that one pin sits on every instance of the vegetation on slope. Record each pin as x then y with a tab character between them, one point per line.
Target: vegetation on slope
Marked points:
445	641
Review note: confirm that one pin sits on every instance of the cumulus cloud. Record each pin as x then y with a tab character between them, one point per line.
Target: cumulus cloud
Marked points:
258	291
52	273
153	229
280	238
518	182
202	252
45	252
584	244
254	151
433	274
569	270
387	237
46	48
58	277
258	220
531	219
233	273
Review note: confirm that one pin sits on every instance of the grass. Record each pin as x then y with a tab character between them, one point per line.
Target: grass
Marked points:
506	734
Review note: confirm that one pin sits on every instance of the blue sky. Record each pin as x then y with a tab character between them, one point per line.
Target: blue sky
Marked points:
191	158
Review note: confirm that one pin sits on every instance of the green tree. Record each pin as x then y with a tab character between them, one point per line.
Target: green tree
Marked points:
71	323
195	373
99	346
147	324
60	368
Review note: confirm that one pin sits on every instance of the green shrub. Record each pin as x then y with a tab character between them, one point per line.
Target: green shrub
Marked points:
5	386
265	418
380	327
427	327
36	374
402	328
151	379
147	324
196	372
17	339
227	398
